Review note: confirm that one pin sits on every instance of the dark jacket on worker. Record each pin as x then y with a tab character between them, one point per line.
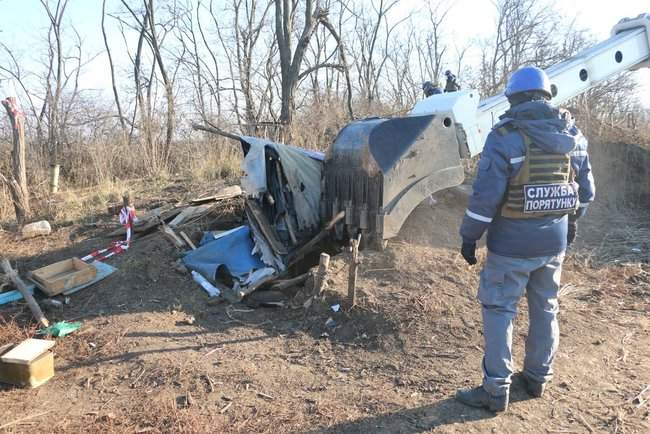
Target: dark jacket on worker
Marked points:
502	158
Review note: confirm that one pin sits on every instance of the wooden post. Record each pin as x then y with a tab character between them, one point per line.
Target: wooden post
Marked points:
321	275
187	240
18	182
354	265
31	302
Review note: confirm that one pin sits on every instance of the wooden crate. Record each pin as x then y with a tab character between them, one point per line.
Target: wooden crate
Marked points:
29	364
63	276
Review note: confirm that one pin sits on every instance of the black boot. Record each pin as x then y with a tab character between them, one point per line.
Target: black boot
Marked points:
534	388
480	398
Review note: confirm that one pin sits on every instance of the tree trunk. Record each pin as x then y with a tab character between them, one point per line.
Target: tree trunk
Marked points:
112	68
169	90
18	183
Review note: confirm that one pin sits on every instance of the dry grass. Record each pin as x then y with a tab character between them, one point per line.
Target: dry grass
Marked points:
625	241
12	331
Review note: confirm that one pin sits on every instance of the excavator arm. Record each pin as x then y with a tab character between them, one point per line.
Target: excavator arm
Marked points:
378	170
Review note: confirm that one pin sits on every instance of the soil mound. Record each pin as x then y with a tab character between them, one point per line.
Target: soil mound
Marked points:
436	221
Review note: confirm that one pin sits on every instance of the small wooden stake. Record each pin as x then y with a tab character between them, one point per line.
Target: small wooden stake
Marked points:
171	235
321	275
354	265
187	240
31	302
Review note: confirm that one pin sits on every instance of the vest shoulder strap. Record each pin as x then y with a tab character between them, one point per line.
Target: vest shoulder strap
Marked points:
507	128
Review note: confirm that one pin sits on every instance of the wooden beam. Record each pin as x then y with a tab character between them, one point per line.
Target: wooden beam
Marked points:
187	240
309	246
31	302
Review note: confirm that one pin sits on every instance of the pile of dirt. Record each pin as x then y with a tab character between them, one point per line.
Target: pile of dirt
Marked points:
436	221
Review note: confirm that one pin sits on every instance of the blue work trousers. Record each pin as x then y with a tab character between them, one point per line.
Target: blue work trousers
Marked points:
503	282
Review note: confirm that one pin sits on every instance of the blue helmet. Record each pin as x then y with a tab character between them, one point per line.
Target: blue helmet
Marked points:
529	78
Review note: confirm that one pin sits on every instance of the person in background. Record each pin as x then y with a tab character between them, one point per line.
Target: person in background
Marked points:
430	89
534	182
451	85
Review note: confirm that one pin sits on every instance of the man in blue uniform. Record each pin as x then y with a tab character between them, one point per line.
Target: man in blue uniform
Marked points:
534	182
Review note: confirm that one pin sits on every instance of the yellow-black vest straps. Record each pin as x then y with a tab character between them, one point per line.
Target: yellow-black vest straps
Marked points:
543	186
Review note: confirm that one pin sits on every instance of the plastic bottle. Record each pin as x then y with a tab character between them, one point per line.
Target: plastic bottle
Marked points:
209	288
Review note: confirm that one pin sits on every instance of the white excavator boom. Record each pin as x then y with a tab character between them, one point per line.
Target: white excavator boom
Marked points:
627	49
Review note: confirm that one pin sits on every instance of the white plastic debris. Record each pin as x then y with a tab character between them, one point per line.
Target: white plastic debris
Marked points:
336	307
258	275
209	288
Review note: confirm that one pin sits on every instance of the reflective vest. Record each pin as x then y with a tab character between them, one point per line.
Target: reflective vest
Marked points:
543	187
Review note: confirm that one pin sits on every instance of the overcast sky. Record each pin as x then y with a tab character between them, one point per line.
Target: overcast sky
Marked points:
23	24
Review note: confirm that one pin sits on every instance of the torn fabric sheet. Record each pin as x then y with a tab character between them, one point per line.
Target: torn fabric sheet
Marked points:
230	253
266	253
303	175
302	169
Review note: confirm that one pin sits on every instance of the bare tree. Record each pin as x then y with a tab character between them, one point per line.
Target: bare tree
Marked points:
401	85
169	90
146	26
13	71
17	183
110	63
372	35
430	48
524	35
54	84
291	60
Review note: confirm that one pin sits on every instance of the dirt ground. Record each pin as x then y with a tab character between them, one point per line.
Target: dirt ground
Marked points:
391	364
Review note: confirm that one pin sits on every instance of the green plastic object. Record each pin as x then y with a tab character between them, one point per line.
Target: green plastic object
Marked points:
60	329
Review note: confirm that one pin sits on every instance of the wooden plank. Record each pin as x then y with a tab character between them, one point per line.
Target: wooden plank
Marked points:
224	193
311	244
146	224
189	213
171	235
28	350
288	283
187	240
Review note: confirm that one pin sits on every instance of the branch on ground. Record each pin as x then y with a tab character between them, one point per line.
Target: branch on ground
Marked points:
215	130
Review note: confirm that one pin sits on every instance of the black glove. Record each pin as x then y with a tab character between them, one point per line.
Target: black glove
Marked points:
468	250
571	232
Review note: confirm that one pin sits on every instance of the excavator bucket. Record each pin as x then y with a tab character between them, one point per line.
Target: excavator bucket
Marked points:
378	170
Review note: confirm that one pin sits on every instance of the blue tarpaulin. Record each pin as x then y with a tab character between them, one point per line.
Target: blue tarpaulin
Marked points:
231	250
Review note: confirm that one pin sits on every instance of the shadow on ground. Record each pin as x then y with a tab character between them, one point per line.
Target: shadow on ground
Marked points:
410	421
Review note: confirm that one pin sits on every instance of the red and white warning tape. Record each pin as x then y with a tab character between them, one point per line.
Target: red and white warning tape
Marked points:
115	248
127	217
